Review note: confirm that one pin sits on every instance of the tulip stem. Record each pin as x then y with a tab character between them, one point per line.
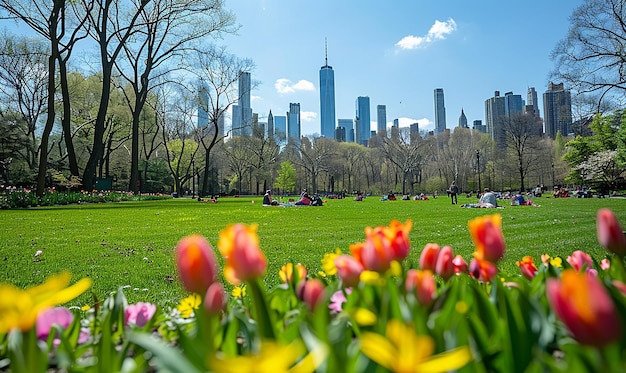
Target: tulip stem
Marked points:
262	314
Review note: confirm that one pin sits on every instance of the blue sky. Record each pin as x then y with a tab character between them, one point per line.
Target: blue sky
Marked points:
397	53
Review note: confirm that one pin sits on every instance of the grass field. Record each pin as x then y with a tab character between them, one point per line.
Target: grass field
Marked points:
131	243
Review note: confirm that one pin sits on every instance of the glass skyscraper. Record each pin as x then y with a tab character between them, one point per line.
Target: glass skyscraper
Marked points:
293	122
348	126
440	111
557	110
494	112
381	118
242	112
327	100
363	121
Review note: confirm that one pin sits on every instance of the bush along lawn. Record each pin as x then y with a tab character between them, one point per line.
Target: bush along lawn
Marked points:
370	310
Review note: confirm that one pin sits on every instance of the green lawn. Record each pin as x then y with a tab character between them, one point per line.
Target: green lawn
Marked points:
131	243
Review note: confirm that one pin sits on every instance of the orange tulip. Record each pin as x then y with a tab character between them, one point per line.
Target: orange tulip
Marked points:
527	267
610	233
585	307
239	245
382	246
487	236
348	270
286	273
482	270
428	257
197	266
422	282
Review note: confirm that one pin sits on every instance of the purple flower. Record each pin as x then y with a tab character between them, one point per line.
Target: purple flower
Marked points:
139	314
338	299
46	319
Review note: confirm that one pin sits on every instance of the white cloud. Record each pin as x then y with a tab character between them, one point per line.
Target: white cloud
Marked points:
255	98
284	86
437	31
307	116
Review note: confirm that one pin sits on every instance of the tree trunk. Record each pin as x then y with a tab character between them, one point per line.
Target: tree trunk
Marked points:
66	120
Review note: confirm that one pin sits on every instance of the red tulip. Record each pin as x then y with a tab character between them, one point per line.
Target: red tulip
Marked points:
422	282
349	270
487	236
197	266
428	258
215	299
311	292
584	305
444	266
610	233
527	267
239	245
482	270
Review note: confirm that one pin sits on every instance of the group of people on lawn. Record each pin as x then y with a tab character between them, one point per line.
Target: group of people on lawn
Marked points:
305	200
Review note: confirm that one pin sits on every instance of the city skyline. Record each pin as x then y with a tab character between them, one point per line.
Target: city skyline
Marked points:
412	50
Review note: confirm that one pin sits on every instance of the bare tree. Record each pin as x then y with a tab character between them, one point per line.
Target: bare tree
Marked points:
522	139
314	157
591	59
406	155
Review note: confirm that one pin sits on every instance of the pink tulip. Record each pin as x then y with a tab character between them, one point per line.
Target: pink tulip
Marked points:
215	299
460	265
348	270
139	314
197	266
610	233
605	264
422	282
527	267
428	257
579	260
584	305
482	270
46	319
445	266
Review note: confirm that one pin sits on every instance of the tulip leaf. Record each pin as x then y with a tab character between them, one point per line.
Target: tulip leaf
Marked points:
168	359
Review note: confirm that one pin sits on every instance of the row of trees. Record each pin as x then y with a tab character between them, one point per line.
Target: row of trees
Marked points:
108	93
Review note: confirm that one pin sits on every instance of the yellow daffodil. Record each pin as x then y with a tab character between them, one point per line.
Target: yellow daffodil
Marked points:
364	317
187	305
328	262
556	262
19	308
239	292
372	278
273	358
403	351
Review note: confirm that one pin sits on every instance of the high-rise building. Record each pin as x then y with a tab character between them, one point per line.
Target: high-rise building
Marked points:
513	104
293	122
242	112
327	100
463	120
479	126
270	125
381	118
440	111
557	110
280	129
348	126
531	100
363	122
494	115
203	105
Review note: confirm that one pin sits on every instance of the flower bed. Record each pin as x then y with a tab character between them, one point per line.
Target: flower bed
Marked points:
370	310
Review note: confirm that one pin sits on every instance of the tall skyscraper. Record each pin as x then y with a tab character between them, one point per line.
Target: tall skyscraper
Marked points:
494	113
479	126
463	120
280	129
348	126
270	125
293	122
513	104
531	100
381	118
327	100
557	110
440	111
242	112
363	121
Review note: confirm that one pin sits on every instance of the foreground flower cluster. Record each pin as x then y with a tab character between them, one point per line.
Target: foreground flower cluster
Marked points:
369	310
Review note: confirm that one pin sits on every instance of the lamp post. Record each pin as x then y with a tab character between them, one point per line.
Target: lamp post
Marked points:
478	168
193	179
553	174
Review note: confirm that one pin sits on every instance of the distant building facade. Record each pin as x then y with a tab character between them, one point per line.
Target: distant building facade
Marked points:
348	128
242	112
557	110
293	123
381	118
363	120
327	100
494	115
463	120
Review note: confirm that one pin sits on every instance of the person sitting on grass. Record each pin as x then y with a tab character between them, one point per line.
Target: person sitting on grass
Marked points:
267	199
304	200
487	200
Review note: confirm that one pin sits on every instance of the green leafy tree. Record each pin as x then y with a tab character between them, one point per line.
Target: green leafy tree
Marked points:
286	179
